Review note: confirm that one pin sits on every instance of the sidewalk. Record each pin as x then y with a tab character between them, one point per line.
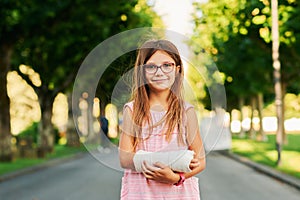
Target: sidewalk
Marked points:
264	169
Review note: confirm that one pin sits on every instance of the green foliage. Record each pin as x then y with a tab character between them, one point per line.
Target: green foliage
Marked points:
11	13
115	141
292	105
54	37
237	34
56	48
235	48
116	74
30	133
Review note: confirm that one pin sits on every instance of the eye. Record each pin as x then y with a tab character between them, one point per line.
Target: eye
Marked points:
167	65
150	66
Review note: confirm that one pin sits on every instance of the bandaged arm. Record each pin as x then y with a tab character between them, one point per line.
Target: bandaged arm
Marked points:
177	160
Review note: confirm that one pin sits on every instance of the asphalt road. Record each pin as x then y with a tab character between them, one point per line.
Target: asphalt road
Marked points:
88	178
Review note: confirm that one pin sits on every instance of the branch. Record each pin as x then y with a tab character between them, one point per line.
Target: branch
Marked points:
27	79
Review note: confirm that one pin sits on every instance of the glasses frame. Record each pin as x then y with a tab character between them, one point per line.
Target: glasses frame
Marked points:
159	66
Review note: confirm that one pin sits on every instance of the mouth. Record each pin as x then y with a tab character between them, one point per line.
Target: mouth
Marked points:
159	80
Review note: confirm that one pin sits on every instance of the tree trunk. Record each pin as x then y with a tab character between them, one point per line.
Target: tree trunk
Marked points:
277	79
241	105
284	137
72	135
6	153
260	103
102	107
46	130
253	107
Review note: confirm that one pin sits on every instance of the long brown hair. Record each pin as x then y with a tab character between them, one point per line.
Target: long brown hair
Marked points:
140	92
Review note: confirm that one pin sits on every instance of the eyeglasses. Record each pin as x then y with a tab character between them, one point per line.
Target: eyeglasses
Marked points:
152	68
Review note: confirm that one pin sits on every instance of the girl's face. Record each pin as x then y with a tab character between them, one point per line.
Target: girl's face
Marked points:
160	71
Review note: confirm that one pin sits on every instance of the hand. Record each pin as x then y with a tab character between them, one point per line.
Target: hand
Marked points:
160	173
194	163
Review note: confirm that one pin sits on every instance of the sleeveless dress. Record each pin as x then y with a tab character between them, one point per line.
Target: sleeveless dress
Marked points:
136	187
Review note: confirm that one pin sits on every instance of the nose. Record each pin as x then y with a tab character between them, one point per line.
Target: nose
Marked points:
159	71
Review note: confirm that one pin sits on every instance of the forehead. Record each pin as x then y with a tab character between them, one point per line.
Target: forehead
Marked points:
159	57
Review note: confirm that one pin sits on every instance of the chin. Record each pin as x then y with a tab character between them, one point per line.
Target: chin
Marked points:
161	88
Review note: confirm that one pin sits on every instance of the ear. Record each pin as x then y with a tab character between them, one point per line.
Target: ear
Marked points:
178	68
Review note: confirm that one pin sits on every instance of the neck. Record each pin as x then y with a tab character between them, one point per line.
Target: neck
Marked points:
159	101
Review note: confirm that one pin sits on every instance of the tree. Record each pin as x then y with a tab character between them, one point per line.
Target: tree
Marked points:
16	22
238	36
277	79
227	32
5	133
59	46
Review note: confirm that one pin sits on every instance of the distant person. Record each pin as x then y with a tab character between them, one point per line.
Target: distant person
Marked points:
160	146
104	125
104	131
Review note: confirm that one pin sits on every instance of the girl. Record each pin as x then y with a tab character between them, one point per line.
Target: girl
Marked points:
158	120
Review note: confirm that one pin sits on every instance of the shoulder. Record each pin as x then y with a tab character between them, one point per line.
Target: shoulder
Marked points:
128	105
187	106
190	111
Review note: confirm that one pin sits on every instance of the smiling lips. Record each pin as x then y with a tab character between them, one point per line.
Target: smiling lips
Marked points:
159	80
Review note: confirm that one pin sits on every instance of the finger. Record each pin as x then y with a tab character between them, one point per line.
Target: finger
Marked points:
148	170
159	165
144	167
197	162
145	171
194	164
194	160
151	168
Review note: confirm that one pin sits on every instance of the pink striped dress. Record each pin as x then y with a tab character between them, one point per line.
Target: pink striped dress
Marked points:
136	187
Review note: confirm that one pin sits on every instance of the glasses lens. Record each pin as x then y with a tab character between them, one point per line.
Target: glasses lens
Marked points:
167	67
150	68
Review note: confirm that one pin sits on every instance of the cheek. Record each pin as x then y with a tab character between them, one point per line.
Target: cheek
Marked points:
147	78
172	81
173	77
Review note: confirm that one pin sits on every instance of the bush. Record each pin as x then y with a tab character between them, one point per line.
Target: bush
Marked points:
30	133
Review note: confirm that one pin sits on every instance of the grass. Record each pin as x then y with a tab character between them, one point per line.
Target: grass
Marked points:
60	151
266	153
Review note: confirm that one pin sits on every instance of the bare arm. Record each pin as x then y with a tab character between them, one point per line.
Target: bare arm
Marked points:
126	144
195	143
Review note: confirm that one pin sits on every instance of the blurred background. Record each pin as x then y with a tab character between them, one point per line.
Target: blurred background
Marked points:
233	45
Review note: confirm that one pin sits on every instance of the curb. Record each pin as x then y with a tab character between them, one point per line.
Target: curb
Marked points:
45	165
292	181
